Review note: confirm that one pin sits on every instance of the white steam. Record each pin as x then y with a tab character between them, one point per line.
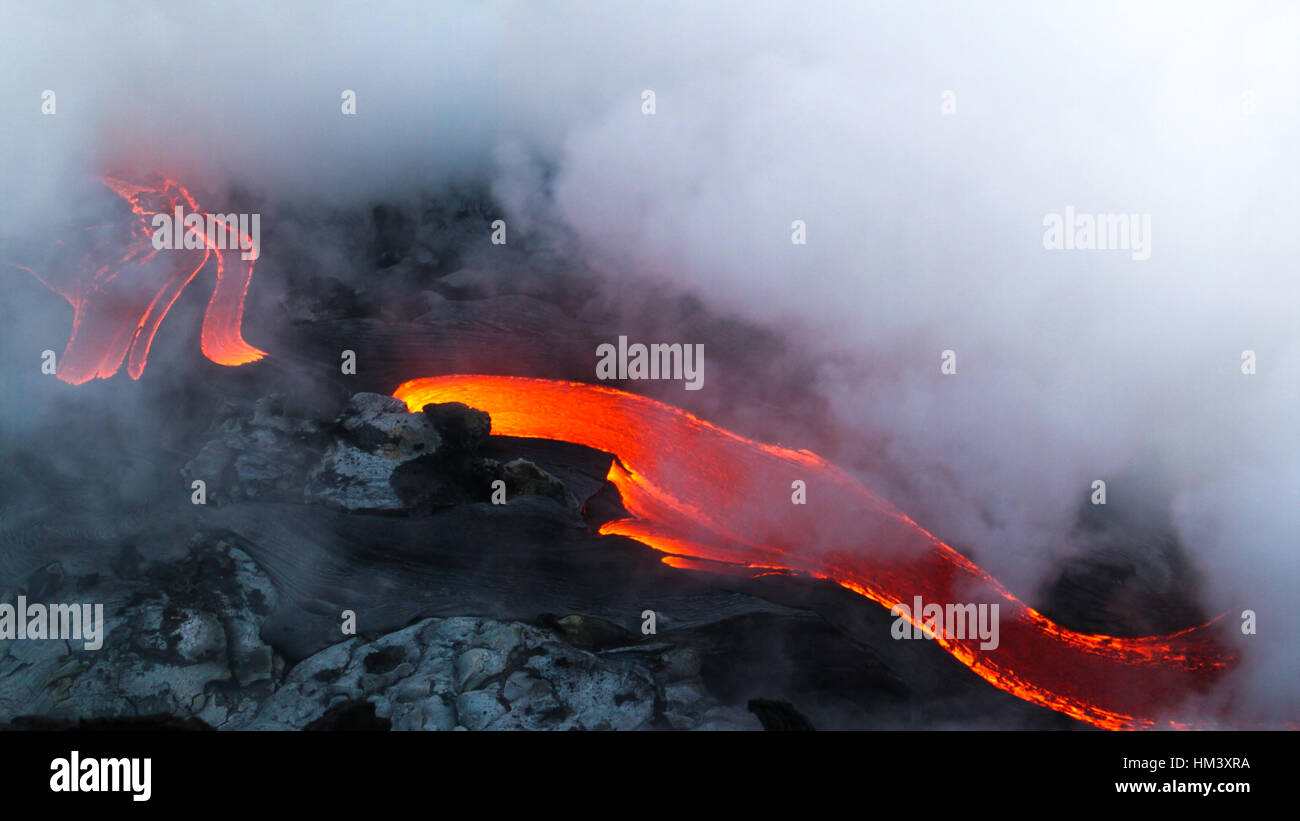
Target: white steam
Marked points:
924	228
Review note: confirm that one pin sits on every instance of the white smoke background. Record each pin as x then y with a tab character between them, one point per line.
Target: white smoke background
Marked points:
924	229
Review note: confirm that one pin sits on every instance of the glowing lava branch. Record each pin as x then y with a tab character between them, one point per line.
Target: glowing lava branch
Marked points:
715	500
123	287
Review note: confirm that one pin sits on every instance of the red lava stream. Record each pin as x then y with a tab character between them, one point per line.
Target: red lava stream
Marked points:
122	289
703	494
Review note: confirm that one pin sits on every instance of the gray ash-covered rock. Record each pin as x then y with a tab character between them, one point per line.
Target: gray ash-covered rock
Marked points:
372	437
374	457
180	638
183	641
262	455
442	674
485	674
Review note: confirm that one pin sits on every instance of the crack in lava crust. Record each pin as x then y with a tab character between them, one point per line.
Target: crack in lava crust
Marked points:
714	500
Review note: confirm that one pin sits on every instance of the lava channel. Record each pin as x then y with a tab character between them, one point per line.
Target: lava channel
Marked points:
121	287
708	497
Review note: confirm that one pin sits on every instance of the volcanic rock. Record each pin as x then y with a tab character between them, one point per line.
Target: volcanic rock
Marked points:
1130	574
375	434
375	457
265	455
462	428
589	632
523	477
183	641
180	638
466	672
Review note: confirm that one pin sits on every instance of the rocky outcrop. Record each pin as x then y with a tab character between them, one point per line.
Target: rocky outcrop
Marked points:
180	638
483	674
372	437
184	641
476	674
375	457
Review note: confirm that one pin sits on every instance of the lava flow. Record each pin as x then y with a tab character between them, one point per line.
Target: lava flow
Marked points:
705	495
121	287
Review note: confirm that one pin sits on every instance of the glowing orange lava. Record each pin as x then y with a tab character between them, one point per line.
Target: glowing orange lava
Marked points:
703	495
122	288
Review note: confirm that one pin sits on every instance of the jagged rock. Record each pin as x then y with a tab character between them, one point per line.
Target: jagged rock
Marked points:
523	477
477	665
462	428
374	457
180	638
265	457
179	633
591	633
376	435
184	640
471	673
481	674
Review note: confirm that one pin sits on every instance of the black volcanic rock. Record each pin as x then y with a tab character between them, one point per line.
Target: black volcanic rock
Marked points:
1130	575
461	427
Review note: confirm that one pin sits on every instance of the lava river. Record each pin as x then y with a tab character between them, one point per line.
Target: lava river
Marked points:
715	500
121	287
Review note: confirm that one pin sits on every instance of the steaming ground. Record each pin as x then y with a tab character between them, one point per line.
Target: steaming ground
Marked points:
924	229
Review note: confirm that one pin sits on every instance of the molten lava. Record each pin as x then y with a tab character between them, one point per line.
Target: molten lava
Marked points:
121	288
712	499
